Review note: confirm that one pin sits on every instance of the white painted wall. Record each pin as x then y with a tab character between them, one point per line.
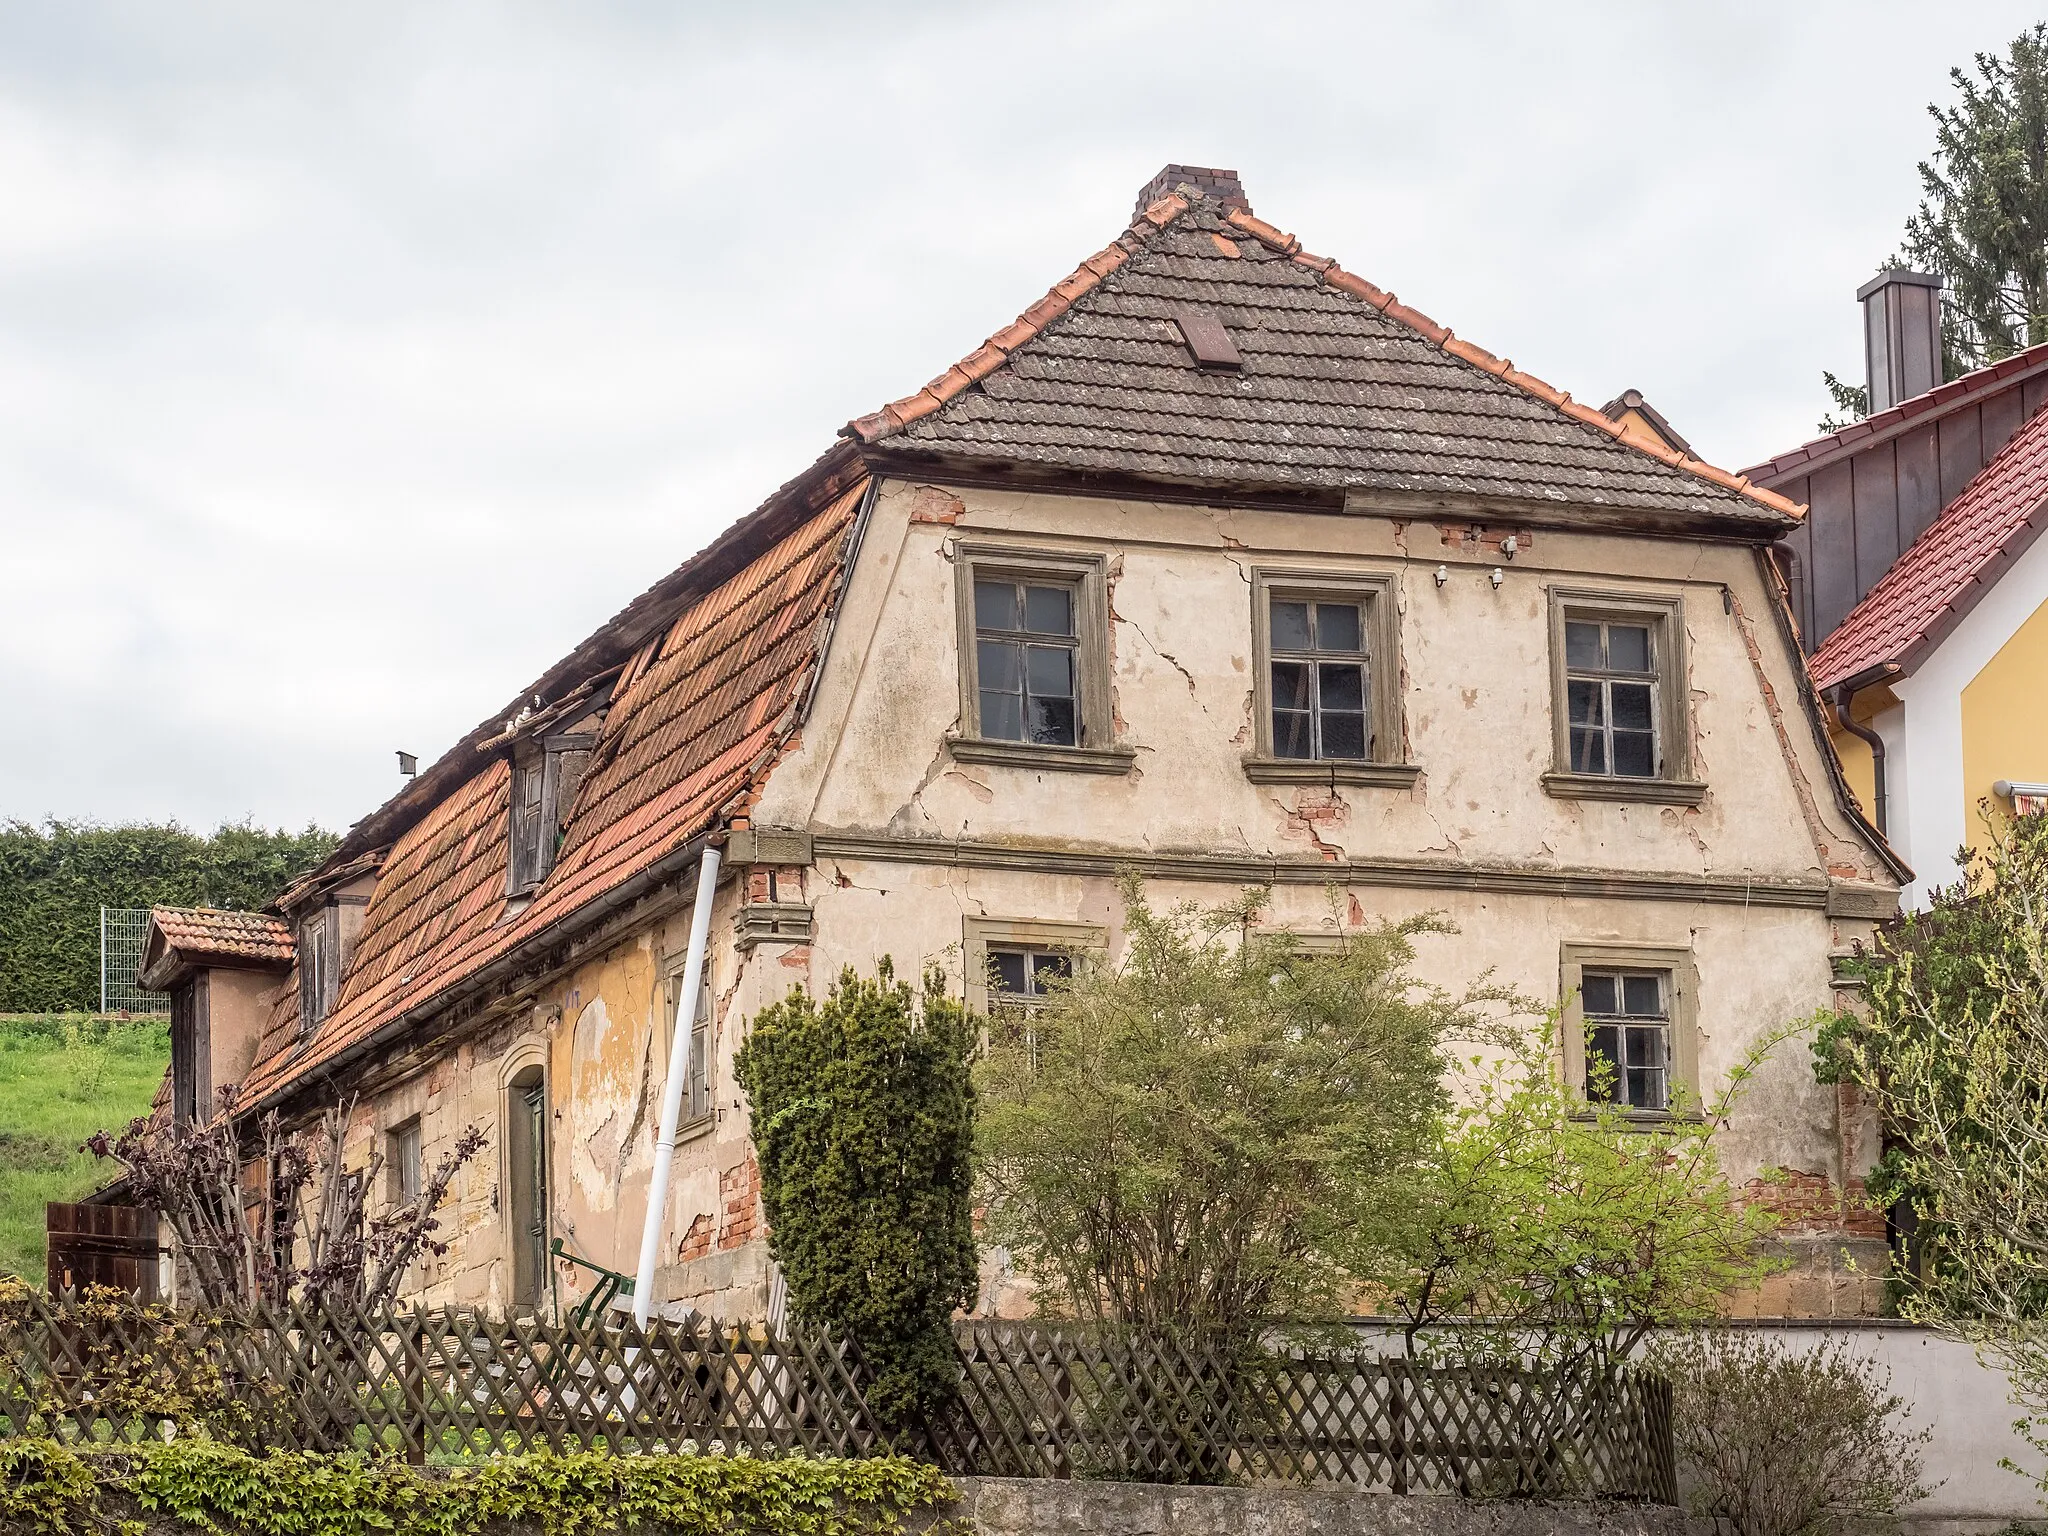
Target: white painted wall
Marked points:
1929	816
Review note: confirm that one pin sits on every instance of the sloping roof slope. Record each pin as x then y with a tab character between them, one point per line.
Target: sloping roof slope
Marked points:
698	715
1941	576
1342	388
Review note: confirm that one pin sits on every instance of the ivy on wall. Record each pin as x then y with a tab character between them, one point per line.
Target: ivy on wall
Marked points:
54	879
53	1489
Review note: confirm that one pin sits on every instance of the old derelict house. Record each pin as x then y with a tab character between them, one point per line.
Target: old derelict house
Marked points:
1219	563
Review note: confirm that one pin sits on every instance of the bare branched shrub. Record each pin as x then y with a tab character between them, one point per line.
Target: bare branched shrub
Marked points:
304	1231
1782	1441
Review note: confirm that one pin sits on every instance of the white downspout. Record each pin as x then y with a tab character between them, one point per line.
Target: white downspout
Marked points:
672	1091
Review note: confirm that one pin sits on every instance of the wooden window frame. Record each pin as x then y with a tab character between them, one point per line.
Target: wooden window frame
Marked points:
395	1138
1082	940
562	761
1088	576
691	1123
1377	593
1682	1074
320	984
1665	617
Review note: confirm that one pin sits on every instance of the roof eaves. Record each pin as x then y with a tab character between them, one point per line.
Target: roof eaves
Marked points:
1898	418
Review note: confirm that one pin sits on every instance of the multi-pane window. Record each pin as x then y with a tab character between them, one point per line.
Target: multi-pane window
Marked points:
317	945
1319	662
1027	661
1628	1037
527	781
1611	697
1019	978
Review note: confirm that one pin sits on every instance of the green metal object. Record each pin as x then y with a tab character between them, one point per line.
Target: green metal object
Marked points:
610	1286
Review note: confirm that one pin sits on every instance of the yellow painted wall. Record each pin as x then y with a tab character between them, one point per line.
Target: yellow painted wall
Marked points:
2005	720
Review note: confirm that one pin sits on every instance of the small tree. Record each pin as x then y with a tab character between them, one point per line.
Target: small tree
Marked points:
1951	1047
1185	1138
863	1114
1548	1227
1780	1441
305	1234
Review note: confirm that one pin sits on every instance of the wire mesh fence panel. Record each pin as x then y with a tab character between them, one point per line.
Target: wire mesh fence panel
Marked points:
122	932
1032	1401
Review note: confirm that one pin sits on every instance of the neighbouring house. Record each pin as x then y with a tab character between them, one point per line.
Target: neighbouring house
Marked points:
1921	594
1220	564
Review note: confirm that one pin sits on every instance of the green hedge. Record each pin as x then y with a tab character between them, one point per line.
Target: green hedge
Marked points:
54	879
58	1490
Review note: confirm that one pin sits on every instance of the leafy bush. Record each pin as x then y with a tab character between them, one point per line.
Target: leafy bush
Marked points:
1951	1047
1545	1226
1780	1441
55	878
863	1115
1185	1139
55	1490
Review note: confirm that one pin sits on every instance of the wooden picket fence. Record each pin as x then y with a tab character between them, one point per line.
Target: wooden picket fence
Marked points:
1033	1401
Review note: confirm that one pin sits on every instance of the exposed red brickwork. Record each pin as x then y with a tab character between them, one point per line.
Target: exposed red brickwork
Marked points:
1472	538
739	1195
1211	180
697	1241
1813	1202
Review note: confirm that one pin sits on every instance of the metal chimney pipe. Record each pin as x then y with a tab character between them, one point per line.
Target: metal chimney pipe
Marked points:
1901	335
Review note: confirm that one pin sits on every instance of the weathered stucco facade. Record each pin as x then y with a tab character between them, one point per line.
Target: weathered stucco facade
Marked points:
803	697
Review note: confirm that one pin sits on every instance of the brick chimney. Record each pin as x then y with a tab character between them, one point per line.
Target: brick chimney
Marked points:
1901	335
1221	185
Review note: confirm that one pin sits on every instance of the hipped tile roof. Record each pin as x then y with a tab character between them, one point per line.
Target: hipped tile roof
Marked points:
1343	388
1942	574
697	716
200	933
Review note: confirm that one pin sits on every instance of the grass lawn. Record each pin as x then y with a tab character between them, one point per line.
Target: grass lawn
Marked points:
61	1079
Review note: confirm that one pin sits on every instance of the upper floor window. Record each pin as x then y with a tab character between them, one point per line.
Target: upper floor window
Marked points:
1618	698
546	775
1034	660
319	965
404	1155
1326	679
1025	645
696	1106
1611	697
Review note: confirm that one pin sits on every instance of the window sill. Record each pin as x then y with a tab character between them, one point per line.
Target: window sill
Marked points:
690	1130
1644	1119
1289	770
1601	786
1031	754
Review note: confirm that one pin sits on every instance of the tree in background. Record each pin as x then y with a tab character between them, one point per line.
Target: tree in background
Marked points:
1983	221
1186	1139
863	1121
1951	1047
1549	1228
55	878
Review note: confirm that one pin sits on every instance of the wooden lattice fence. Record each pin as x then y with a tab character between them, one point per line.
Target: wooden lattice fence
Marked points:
1033	1401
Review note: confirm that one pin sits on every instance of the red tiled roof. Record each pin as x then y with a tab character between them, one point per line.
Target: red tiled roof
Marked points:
1493	432
1953	563
699	714
201	932
1935	402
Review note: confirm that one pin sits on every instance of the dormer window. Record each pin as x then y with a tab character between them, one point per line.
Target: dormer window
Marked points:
545	777
319	964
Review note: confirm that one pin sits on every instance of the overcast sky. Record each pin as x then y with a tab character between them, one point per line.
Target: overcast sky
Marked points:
356	361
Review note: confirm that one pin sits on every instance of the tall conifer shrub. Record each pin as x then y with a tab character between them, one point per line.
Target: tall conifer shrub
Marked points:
863	1119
